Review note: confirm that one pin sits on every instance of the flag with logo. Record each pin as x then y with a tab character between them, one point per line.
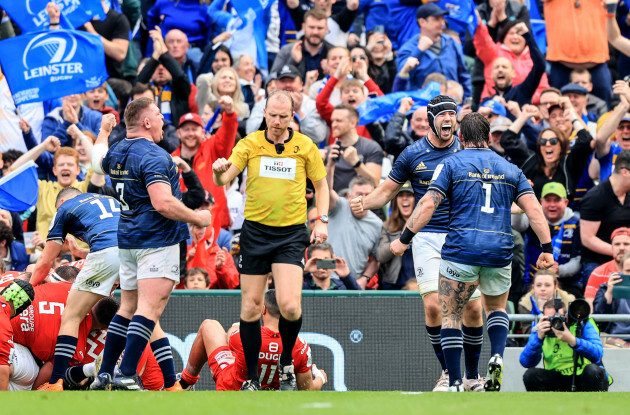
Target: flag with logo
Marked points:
18	190
382	108
539	27
251	22
52	64
31	15
461	15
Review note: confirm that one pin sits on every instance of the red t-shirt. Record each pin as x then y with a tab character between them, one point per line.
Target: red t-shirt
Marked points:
38	326
6	333
599	276
7	278
268	358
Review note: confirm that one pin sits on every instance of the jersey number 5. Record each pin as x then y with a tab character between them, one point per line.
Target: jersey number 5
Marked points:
486	208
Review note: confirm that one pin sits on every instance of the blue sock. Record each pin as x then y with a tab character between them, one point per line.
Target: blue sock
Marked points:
473	340
498	326
164	356
114	343
452	345
138	336
64	350
434	336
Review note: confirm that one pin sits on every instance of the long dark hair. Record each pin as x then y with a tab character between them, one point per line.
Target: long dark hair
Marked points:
509	25
372	70
564	147
395	222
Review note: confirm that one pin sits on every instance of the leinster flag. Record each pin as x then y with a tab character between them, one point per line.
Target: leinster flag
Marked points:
52	64
31	15
252	15
461	16
382	108
539	27
18	190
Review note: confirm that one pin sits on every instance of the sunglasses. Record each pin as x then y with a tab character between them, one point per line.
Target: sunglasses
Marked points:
356	58
547	104
624	127
553	141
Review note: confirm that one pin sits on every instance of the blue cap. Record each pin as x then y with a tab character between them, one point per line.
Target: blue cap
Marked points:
574	88
496	107
430	9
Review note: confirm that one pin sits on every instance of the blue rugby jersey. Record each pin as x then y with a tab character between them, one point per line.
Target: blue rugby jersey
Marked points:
416	163
481	186
89	217
133	165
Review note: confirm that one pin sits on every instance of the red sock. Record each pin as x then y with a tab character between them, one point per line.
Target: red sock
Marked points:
188	378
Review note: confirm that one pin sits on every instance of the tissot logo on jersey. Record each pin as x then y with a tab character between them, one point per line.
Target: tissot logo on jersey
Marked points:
278	168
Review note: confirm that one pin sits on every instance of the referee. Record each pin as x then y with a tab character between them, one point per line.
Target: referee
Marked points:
273	237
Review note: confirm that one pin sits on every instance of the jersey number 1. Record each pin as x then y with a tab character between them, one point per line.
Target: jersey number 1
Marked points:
486	208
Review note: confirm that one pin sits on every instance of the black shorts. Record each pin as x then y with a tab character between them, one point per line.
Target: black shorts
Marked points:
263	245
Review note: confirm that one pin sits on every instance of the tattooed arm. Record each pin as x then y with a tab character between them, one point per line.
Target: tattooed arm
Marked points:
419	218
423	211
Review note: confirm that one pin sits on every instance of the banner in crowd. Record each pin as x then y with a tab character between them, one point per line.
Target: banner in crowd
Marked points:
539	28
31	15
382	108
52	64
461	16
249	24
18	190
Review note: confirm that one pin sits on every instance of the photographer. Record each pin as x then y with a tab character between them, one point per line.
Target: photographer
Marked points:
319	267
557	343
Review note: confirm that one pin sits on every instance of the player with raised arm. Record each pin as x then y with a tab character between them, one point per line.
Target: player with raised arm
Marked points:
477	251
416	163
274	236
150	229
224	354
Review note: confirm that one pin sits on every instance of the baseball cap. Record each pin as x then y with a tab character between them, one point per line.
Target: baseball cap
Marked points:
499	125
574	88
406	188
190	117
430	9
620	231
496	107
554	188
625	118
289	71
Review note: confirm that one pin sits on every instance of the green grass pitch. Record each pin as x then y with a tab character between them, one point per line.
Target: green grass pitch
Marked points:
344	403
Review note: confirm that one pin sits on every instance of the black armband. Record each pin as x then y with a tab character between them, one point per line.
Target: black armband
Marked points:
547	248
406	236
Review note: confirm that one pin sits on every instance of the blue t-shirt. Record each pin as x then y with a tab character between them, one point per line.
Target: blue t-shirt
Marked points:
607	163
133	165
481	186
416	163
89	217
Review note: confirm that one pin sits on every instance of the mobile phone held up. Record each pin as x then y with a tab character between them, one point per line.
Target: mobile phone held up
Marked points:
325	264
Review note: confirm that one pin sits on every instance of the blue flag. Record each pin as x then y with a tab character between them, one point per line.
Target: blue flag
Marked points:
52	64
31	15
254	15
18	190
539	28
461	15
382	108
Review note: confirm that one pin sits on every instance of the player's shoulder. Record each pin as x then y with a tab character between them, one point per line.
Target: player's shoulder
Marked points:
52	291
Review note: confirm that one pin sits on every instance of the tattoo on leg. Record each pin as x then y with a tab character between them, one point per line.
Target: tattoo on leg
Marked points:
453	298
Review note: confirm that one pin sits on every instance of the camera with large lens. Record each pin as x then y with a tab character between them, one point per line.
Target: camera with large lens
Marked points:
557	322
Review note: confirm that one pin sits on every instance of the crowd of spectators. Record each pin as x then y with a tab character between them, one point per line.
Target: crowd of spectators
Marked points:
559	111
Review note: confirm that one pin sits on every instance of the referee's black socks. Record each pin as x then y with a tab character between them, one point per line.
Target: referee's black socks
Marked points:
289	331
252	341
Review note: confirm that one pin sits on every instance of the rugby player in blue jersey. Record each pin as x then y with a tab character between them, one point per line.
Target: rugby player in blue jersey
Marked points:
93	219
417	163
151	226
477	251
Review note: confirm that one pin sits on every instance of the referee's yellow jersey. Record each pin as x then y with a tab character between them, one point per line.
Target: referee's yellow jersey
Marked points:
276	183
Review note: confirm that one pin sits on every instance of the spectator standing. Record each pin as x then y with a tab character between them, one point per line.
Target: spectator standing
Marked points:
177	44
72	111
613	136
605	208
396	137
316	278
605	303
435	51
